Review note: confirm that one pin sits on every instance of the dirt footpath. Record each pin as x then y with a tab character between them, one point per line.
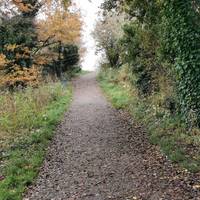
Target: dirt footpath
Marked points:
99	154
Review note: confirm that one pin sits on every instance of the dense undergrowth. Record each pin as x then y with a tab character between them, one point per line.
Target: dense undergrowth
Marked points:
167	130
27	120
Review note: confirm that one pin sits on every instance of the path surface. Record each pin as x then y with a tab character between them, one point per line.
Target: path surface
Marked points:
99	154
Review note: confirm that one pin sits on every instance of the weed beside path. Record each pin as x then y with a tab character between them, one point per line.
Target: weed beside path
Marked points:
166	131
27	120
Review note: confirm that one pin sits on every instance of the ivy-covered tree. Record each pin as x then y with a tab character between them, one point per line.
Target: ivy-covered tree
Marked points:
181	47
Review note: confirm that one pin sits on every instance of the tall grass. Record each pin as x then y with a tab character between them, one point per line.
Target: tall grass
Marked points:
22	111
27	121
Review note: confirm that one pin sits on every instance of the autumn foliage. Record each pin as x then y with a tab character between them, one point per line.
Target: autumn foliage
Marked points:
28	43
60	26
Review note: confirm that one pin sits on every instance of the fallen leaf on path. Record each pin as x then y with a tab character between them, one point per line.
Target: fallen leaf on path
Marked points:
196	187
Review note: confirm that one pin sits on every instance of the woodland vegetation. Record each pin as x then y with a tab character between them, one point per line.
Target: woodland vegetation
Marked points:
29	46
39	46
152	69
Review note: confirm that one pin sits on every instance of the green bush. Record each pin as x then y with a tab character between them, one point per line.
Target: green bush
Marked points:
140	56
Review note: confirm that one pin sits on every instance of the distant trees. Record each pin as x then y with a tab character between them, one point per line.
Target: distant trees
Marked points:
61	31
61	25
107	33
65	61
70	56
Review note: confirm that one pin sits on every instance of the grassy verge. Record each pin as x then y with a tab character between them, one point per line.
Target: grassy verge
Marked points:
83	72
74	73
27	120
179	144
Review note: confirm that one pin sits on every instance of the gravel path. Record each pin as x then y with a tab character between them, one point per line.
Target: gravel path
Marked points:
99	154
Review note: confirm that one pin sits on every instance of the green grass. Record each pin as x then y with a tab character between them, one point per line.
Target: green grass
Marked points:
27	138
119	97
167	131
74	73
83	72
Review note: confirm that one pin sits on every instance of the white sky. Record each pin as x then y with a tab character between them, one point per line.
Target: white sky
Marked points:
89	10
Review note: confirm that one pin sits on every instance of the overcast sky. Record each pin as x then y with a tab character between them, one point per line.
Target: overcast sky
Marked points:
89	10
